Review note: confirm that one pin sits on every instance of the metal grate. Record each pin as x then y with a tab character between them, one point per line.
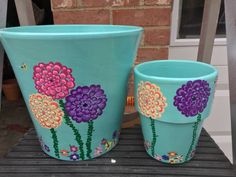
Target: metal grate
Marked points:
27	159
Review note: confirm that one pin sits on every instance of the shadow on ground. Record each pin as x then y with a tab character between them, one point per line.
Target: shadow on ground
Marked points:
14	122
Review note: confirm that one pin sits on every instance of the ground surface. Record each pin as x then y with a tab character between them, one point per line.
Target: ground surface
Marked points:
14	122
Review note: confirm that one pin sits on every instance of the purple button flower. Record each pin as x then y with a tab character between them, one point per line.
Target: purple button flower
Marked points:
86	103
191	99
46	148
165	157
74	156
115	134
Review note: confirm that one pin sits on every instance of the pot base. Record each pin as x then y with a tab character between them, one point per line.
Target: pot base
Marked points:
174	160
68	157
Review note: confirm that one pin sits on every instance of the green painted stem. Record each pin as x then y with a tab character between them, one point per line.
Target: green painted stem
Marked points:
89	139
195	128
55	142
74	129
154	136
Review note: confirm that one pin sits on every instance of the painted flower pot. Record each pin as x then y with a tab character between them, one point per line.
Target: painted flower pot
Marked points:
74	82
173	97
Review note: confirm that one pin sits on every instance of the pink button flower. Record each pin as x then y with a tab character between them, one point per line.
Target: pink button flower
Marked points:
53	79
73	148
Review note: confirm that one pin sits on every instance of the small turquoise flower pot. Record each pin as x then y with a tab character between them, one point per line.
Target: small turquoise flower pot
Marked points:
173	97
74	82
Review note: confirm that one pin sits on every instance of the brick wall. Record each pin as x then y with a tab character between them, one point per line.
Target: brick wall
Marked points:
153	15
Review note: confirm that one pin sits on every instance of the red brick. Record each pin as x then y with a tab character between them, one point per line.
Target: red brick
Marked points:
148	54
111	3
131	77
120	3
82	17
95	3
156	36
142	17
157	2
131	89
67	4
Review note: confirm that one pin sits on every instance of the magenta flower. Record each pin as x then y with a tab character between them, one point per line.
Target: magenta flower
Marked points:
98	151
73	148
147	145
104	141
53	79
158	157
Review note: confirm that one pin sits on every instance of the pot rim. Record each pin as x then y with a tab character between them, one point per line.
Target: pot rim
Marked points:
70	31
163	79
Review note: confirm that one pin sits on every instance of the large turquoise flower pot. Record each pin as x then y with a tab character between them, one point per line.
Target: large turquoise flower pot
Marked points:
173	98
74	82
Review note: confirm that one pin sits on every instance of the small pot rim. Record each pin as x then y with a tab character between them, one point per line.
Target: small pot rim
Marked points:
211	75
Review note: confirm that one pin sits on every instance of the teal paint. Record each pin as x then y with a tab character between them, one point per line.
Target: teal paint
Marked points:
177	95
54	62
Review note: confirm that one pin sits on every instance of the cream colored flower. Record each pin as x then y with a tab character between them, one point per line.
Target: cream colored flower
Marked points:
151	101
46	111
